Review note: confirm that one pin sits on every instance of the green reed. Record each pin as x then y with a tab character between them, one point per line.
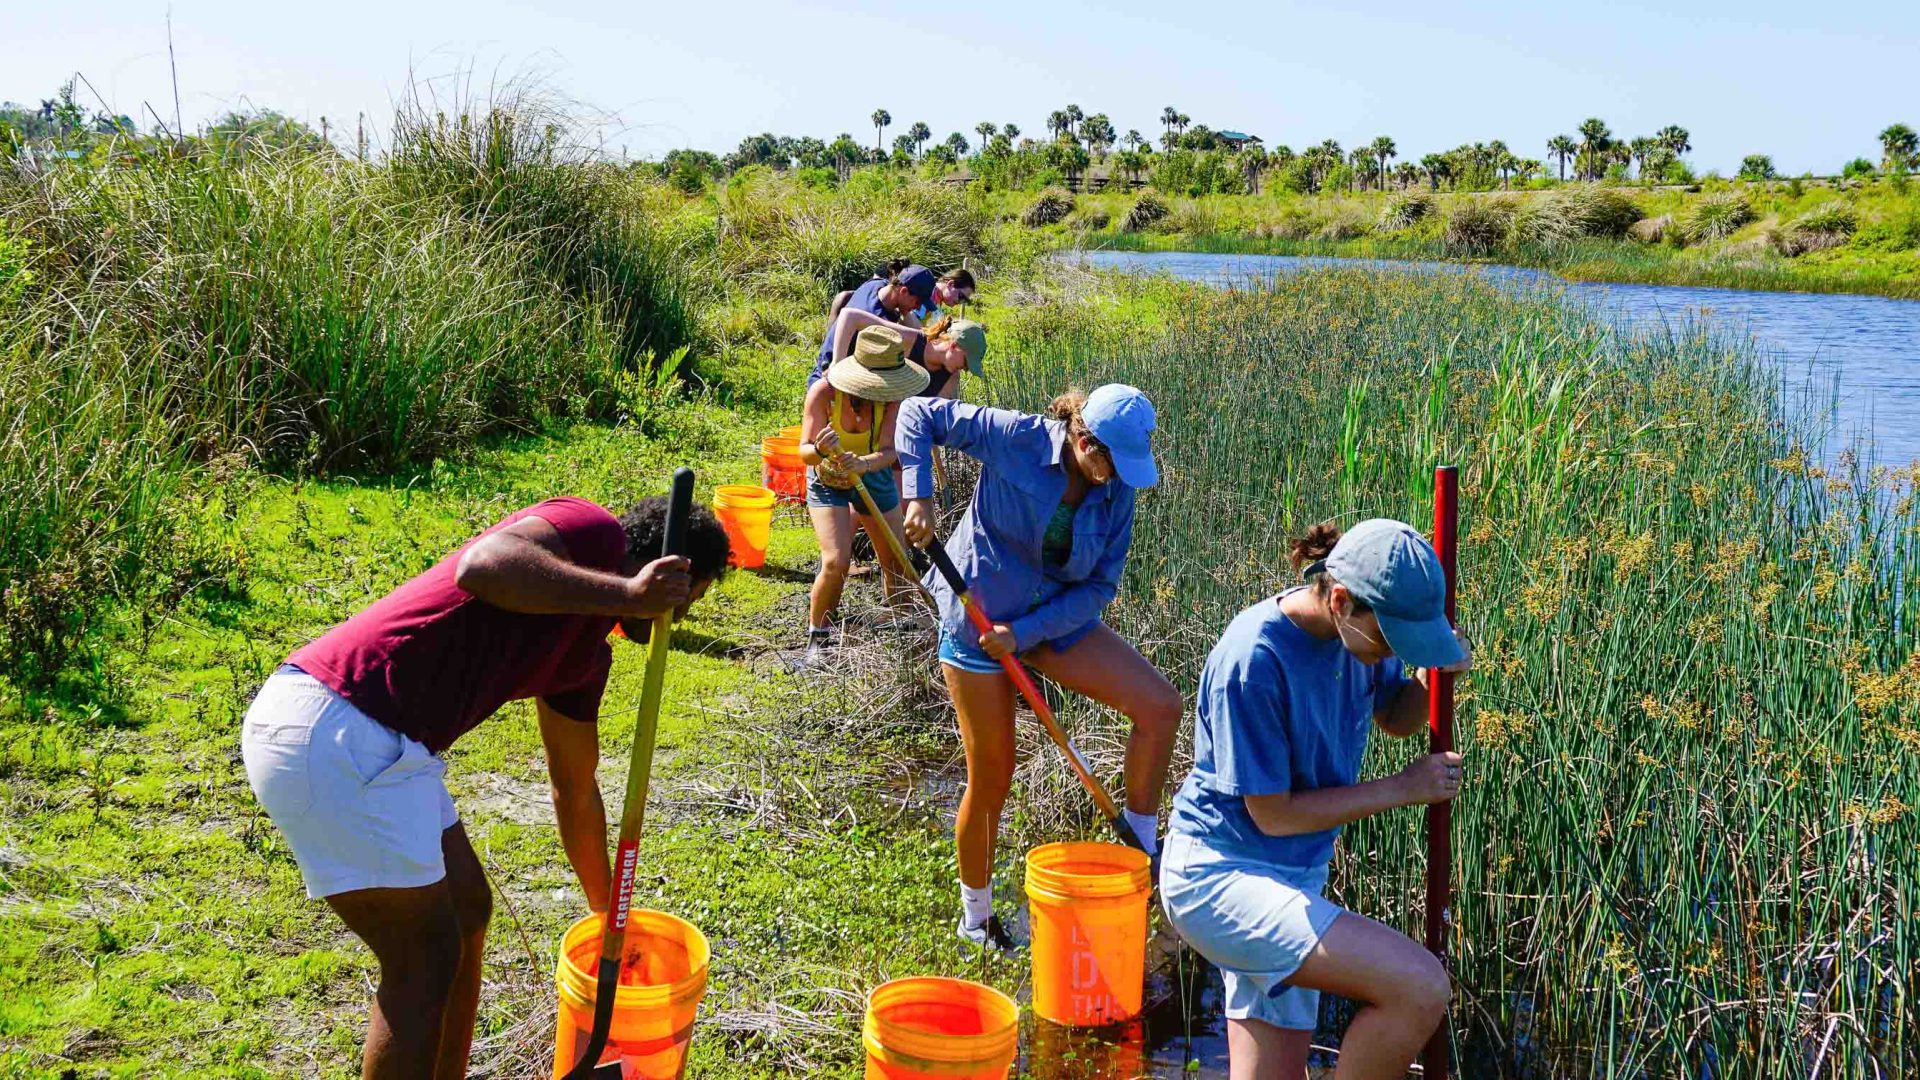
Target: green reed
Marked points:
1693	731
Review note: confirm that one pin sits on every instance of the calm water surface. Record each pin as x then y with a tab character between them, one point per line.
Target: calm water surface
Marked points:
1860	354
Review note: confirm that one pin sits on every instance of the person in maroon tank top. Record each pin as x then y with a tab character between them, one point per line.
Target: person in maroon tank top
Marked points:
342	744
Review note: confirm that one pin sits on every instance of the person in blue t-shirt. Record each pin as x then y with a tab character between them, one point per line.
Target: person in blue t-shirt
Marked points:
1286	701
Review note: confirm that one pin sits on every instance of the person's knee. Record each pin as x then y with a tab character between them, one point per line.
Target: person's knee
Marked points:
989	792
1160	711
1427	992
834	565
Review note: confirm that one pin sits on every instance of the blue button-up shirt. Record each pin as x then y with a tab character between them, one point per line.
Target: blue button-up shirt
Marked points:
997	547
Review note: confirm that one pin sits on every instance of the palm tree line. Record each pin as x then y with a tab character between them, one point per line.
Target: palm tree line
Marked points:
1075	140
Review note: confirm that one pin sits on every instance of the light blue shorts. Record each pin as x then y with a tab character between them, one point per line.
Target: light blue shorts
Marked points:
361	805
1257	922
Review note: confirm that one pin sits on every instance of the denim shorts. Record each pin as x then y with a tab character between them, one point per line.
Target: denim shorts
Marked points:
1256	921
967	655
879	485
361	805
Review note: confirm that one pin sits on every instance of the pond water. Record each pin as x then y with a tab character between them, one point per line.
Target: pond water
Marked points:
1860	354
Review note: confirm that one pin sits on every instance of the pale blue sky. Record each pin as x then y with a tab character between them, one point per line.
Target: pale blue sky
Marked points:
1810	84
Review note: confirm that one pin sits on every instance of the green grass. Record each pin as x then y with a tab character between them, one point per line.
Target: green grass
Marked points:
1694	727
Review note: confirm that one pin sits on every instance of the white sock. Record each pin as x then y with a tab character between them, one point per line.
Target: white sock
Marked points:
976	904
1143	827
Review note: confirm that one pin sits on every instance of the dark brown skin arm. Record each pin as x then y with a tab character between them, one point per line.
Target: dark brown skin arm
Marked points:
573	752
1408	712
525	568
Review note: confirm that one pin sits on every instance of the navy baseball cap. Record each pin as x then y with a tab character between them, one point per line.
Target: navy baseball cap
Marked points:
1122	419
1391	568
919	281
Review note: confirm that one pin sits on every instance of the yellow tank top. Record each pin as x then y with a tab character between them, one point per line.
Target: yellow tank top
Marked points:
857	442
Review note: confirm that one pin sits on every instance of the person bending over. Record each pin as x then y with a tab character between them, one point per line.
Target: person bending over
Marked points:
1042	546
342	744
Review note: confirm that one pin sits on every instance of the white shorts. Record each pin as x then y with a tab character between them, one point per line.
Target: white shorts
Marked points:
361	805
1257	922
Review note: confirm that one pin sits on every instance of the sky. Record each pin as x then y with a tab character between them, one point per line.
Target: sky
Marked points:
1809	84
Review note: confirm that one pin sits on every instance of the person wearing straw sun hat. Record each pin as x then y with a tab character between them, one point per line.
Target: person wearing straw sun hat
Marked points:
846	436
1286	701
1042	546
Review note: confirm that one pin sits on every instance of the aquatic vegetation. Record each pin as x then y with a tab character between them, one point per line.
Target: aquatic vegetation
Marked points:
1694	726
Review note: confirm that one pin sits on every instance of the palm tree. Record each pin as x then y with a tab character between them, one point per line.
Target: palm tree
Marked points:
881	118
1169	116
987	129
919	133
1362	161
1501	158
1595	139
1899	146
1438	167
1074	115
1674	138
1011	131
1132	140
1640	149
1383	151
1182	121
1056	122
1562	147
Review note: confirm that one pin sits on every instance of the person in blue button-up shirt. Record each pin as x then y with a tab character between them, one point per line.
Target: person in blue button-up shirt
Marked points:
1042	546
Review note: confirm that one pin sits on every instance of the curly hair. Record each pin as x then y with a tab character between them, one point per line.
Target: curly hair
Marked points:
707	545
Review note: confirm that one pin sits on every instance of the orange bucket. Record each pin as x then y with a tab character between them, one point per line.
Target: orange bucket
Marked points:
746	512
947	1028
781	470
1088	910
791	432
652	1014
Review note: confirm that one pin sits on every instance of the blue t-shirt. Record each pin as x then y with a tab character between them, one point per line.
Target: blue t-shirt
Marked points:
864	298
1279	711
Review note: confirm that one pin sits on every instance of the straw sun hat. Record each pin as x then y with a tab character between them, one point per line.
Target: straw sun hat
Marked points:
878	369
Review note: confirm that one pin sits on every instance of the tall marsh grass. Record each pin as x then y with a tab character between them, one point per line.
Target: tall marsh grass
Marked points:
1690	845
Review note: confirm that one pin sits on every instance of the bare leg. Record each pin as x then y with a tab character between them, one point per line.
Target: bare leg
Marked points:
415	935
1104	667
893	575
833	525
984	704
1256	1050
1404	989
473	907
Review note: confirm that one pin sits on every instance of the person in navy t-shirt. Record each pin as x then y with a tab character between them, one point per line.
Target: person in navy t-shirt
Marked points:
342	744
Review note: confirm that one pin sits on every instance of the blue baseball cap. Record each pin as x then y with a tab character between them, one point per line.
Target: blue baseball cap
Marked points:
1122	418
1391	568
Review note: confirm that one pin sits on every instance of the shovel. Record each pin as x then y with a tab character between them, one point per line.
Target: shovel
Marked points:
613	934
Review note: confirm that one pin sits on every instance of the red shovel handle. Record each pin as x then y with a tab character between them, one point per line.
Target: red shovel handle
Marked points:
1446	536
1023	682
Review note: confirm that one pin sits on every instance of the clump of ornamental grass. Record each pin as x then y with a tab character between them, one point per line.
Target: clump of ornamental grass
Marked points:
1718	215
1678	804
1828	225
1586	212
1050	207
1405	210
1146	212
1478	226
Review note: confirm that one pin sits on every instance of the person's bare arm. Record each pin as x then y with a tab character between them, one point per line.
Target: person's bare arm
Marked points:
851	321
525	568
1429	779
1407	714
573	753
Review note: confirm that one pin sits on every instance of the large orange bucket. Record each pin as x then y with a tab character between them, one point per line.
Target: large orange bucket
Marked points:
746	512
1087	904
947	1028
781	470
792	431
660	990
